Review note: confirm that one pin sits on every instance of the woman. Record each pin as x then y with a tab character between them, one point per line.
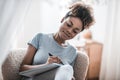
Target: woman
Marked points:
76	20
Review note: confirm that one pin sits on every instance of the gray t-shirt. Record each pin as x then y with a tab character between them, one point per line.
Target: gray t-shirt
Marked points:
45	43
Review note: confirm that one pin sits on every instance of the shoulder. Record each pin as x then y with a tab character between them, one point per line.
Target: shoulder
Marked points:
43	36
39	34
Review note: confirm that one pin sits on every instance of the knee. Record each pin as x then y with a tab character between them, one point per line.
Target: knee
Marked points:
67	68
65	72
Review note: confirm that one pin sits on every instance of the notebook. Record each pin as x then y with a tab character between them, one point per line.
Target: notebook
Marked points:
41	69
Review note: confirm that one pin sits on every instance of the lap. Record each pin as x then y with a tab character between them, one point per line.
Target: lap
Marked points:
50	75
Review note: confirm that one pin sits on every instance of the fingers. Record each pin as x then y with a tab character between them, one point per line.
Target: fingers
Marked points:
54	59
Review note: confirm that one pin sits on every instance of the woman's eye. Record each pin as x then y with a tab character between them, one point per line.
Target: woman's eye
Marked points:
69	25
75	31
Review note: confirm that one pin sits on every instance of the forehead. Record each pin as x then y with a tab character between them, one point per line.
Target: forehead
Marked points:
75	21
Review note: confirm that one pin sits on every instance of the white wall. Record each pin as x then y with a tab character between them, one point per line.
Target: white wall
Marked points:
31	25
98	29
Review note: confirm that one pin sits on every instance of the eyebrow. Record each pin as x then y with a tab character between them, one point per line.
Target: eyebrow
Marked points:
77	29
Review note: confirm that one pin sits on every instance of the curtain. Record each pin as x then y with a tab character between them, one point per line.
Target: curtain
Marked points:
12	13
110	67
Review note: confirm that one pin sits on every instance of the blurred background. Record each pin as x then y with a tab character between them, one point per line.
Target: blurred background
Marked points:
20	20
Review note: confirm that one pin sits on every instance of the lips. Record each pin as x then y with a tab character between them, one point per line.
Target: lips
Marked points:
66	34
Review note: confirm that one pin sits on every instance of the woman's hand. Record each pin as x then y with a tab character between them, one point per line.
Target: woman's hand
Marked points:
53	59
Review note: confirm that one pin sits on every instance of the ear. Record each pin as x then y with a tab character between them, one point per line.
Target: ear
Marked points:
62	19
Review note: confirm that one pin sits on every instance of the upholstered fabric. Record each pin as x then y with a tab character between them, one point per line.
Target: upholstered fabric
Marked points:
10	67
1	78
81	66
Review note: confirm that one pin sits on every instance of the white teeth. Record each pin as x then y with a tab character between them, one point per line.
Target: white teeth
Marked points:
66	34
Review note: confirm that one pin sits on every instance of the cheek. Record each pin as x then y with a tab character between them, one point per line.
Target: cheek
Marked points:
73	35
62	27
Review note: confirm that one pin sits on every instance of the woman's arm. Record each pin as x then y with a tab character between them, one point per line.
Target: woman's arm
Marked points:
28	59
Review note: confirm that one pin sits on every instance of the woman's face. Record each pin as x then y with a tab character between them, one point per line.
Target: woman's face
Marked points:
70	27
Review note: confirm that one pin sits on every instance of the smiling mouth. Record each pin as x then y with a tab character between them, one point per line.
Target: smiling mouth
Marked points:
66	34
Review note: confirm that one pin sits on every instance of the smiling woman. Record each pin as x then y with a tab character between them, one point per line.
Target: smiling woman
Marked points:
69	28
78	18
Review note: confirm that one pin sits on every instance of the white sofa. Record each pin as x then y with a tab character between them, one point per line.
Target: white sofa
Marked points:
10	67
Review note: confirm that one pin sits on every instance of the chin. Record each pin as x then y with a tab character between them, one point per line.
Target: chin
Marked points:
67	39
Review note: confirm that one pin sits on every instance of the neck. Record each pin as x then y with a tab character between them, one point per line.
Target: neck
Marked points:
58	39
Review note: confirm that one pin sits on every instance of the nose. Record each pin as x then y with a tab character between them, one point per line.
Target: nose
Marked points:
69	31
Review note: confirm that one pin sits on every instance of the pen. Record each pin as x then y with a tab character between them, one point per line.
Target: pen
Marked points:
50	54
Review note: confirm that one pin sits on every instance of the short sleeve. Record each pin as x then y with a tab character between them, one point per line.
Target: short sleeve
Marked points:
72	56
35	42
73	62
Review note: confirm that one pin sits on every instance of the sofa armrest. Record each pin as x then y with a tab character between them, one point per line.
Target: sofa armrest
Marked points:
1	78
10	67
81	66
